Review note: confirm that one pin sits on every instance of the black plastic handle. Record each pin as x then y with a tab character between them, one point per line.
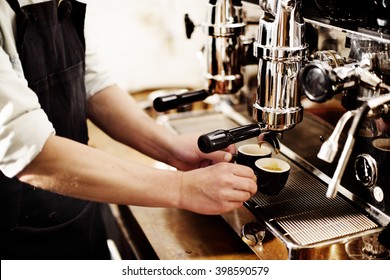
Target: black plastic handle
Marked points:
173	101
220	139
189	24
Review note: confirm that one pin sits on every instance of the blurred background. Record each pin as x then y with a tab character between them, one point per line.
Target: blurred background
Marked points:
144	43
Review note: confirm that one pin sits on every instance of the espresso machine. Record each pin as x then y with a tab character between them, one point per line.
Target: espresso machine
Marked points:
223	54
309	54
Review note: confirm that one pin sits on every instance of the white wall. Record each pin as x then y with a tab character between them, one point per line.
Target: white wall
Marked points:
144	42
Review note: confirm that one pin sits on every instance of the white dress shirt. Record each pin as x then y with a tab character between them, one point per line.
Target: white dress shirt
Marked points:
24	126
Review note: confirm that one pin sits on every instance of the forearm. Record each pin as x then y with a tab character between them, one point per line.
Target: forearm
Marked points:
72	169
76	170
118	114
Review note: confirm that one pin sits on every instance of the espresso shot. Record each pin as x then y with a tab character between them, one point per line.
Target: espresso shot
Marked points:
272	175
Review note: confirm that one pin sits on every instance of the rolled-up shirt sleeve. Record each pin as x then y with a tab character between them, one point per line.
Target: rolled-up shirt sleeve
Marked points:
24	126
97	77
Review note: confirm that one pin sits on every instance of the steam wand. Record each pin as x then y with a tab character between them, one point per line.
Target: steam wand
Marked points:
346	153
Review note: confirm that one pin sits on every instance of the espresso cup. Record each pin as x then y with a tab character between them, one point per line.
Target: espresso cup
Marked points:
247	154
381	153
382	144
272	175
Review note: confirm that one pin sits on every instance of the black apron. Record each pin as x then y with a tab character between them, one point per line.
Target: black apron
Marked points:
37	224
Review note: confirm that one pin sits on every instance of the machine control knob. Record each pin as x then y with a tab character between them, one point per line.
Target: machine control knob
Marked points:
366	170
252	234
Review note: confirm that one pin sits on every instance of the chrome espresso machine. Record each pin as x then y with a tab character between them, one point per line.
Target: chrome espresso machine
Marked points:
320	95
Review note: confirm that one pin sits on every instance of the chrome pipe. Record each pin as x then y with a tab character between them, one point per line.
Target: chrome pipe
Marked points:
281	49
224	48
359	114
329	148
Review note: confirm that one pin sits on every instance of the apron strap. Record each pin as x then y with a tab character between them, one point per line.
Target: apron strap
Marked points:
64	7
15	6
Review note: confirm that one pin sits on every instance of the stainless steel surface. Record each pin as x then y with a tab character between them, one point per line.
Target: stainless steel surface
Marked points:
304	154
362	83
342	164
347	150
363	77
321	78
223	115
224	48
281	49
300	222
330	148
223	54
301	215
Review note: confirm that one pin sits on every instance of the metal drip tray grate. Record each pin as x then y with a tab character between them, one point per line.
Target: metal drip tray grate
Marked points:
304	214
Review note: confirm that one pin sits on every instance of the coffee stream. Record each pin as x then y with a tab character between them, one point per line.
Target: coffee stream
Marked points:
260	143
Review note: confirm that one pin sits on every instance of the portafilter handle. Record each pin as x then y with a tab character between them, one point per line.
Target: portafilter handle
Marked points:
173	101
221	139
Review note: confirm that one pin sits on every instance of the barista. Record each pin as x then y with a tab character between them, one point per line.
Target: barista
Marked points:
51	181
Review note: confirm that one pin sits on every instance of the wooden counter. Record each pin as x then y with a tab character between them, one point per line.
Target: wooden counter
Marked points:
178	234
159	233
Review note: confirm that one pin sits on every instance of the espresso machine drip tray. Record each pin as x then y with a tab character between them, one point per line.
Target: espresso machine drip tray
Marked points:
302	215
301	222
